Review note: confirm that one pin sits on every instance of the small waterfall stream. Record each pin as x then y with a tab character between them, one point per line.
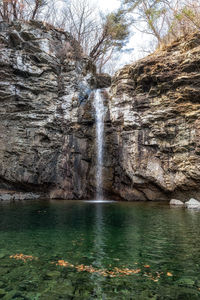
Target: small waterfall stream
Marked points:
99	117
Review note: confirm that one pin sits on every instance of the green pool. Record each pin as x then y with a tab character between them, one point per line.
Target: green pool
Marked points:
86	250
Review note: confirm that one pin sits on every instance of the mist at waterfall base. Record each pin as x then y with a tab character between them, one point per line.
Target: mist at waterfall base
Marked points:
162	243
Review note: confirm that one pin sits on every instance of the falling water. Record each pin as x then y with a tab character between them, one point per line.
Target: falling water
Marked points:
99	117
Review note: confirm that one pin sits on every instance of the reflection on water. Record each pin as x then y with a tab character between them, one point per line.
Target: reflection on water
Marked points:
98	246
99	201
162	243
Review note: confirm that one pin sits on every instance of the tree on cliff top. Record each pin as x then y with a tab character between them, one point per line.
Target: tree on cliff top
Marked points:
99	36
165	20
112	37
22	9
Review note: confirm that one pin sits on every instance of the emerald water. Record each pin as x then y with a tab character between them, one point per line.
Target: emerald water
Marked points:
110	251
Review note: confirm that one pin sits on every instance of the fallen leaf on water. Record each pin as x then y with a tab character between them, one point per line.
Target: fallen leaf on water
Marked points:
23	257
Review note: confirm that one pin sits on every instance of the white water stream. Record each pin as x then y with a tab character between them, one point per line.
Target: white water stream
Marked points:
99	117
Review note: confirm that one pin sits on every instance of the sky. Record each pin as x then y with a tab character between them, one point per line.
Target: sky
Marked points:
108	5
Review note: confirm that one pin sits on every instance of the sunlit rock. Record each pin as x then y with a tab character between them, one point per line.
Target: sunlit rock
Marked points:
175	202
155	117
193	203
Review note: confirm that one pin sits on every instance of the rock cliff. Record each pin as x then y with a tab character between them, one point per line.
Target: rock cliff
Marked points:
46	123
47	126
155	116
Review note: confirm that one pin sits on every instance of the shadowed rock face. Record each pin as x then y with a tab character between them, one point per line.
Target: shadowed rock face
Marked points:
46	121
155	116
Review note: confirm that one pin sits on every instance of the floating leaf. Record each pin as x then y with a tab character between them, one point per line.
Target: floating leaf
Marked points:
23	257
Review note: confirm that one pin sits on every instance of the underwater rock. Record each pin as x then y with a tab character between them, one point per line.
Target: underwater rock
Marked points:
2	293
186	281
2	255
51	274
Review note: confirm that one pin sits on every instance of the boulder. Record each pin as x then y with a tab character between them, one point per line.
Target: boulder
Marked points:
193	204
103	80
175	202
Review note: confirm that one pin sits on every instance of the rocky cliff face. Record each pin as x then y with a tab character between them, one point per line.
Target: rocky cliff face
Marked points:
47	127
155	116
46	124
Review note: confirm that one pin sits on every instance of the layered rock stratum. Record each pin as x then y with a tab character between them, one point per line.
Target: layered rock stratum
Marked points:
47	124
155	115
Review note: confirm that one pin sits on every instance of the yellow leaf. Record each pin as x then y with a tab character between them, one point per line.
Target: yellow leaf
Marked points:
169	274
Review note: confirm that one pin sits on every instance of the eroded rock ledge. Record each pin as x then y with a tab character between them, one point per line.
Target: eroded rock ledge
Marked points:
155	115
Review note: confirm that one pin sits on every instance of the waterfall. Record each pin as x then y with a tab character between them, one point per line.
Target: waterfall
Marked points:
99	117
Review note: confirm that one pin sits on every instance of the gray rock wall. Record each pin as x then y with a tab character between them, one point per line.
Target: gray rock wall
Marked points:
155	116
46	121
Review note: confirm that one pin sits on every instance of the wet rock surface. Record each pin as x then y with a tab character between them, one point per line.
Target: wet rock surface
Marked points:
155	117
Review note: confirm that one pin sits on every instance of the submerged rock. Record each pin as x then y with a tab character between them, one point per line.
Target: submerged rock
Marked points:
2	293
175	202
51	274
192	203
186	281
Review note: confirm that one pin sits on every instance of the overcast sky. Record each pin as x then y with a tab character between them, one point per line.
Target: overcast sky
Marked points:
108	5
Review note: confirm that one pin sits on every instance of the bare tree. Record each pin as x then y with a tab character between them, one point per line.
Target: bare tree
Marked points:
165	20
79	19
26	9
11	9
100	36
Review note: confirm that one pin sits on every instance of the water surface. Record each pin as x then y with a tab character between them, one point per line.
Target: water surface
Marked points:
102	244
